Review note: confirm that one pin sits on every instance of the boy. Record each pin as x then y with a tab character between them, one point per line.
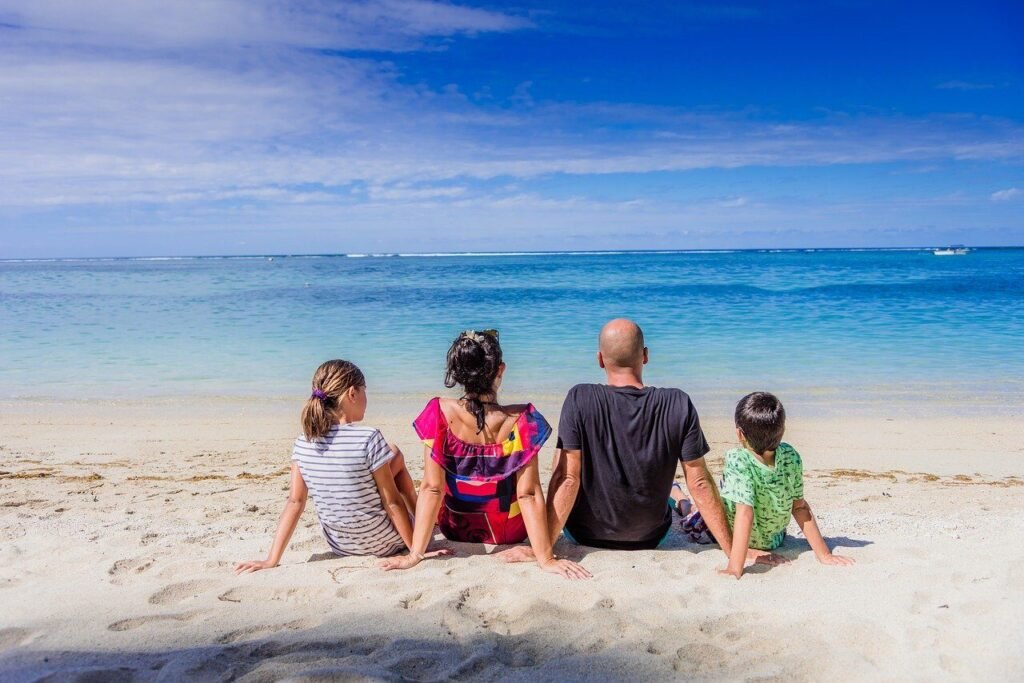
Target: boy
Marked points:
762	485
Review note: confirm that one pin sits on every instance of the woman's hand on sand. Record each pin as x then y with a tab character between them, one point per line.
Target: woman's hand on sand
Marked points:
566	568
837	560
253	566
410	561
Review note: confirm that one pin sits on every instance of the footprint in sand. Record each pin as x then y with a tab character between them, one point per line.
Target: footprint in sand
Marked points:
730	629
123	569
136	622
16	637
410	601
259	631
179	592
299	596
358	646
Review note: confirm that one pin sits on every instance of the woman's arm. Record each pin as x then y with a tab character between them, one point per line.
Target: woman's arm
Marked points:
741	528
393	503
809	526
531	504
563	488
428	505
285	526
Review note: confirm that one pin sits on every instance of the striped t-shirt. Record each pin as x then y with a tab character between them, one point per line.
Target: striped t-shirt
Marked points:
338	471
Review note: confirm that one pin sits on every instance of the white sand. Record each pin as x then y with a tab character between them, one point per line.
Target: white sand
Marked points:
119	524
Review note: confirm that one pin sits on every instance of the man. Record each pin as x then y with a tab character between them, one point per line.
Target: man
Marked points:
618	445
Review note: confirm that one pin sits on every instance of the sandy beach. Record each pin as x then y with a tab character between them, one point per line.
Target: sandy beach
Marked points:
120	521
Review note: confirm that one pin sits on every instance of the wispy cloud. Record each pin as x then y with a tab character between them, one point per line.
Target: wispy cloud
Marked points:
964	85
156	24
1007	194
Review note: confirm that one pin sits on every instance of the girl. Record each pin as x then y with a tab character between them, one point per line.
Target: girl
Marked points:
481	482
362	492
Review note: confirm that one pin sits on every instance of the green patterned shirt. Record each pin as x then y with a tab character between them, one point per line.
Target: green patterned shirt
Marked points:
769	490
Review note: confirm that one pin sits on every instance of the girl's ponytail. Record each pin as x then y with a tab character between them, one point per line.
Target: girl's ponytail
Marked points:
330	382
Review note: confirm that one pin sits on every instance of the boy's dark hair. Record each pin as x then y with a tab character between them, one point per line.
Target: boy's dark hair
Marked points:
763	420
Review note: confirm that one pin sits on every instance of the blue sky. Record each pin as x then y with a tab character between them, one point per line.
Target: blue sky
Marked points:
153	127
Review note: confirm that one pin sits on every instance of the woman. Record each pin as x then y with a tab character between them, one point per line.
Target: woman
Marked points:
481	481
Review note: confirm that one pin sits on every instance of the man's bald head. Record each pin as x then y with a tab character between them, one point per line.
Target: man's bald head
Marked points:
622	344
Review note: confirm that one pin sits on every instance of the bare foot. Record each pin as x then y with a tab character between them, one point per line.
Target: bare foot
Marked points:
517	553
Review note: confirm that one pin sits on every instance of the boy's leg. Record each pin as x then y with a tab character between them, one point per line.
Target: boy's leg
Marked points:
403	480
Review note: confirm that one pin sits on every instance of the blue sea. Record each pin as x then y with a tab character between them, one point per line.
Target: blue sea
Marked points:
842	325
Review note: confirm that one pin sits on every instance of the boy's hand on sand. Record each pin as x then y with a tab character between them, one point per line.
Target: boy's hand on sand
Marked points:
253	566
566	568
765	557
729	571
837	560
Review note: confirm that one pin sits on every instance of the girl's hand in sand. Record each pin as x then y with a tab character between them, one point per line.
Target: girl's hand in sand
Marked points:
566	568
837	560
253	566
410	561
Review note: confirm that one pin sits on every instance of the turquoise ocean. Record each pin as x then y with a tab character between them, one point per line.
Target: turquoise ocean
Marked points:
843	327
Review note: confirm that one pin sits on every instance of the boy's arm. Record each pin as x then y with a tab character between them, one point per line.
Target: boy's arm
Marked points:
809	526
705	496
741	528
285	526
393	503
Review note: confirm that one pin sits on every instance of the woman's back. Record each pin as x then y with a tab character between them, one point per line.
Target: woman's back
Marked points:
480	504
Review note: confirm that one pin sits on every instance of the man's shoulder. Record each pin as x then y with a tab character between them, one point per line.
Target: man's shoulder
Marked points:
582	392
673	397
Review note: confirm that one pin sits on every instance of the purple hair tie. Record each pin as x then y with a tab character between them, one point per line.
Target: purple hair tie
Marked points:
319	394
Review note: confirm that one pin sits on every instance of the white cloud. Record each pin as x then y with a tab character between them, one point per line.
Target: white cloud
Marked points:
1007	194
964	85
158	24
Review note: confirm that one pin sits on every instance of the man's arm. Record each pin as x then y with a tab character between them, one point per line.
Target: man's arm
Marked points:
563	488
705	496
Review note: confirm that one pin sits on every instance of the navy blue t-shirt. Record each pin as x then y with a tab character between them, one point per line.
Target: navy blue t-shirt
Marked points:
631	440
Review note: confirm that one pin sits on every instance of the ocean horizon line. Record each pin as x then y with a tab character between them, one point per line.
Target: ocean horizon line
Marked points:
495	254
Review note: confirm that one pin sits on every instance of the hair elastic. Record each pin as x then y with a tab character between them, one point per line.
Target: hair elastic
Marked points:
317	393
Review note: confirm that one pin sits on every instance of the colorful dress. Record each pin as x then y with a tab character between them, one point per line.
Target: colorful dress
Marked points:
480	503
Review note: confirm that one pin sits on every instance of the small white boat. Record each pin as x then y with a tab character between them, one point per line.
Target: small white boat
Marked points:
955	250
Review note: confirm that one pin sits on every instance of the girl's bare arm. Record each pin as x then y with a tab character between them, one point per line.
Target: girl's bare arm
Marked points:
393	503
285	526
428	505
